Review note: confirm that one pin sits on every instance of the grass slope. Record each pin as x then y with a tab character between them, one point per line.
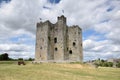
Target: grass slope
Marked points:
55	71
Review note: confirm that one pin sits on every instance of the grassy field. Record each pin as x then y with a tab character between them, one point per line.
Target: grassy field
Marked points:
55	71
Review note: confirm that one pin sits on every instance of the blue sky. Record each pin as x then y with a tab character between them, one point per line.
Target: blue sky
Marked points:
54	1
99	20
4	1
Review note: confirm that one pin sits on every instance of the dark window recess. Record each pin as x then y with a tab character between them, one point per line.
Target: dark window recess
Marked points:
40	47
81	44
49	38
70	52
51	28
55	40
56	49
67	30
67	49
74	44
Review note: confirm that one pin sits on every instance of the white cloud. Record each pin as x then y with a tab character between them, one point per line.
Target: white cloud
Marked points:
20	17
18	50
100	49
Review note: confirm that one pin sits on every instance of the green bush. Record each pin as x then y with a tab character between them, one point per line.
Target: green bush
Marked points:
20	59
103	63
118	65
110	64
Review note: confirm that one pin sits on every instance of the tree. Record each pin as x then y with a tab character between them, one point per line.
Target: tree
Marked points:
1	57
102	61
105	64
4	56
30	59
118	65
110	64
20	59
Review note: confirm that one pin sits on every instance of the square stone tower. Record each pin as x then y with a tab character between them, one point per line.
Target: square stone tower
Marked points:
58	42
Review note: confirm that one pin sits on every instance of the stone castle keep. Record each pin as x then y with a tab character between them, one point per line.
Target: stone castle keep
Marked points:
58	42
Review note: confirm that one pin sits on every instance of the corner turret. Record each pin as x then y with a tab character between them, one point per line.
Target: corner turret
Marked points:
62	18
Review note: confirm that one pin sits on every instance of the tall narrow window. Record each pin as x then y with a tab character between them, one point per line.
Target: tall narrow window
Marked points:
55	40
40	47
56	49
81	44
74	44
70	52
48	38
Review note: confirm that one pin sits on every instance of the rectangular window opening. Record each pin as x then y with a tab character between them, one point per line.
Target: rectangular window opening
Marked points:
55	40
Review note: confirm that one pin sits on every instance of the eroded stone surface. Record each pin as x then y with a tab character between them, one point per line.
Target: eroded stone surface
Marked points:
58	42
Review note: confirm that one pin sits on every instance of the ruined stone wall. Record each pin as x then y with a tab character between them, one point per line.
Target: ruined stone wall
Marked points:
80	43
59	39
42	41
74	43
51	42
58	42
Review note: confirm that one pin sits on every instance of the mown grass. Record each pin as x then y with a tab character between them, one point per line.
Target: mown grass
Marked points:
56	71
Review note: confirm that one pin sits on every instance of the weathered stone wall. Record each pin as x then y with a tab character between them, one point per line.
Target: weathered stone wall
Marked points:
73	43
80	43
58	42
51	42
42	41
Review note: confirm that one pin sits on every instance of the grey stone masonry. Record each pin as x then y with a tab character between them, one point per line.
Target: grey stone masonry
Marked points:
58	42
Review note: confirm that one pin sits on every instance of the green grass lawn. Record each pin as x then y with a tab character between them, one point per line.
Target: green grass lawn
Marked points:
56	71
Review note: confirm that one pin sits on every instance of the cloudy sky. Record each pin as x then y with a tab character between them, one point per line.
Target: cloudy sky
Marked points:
99	20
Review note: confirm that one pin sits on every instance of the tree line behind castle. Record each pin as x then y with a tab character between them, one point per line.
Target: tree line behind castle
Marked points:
5	57
97	63
105	63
